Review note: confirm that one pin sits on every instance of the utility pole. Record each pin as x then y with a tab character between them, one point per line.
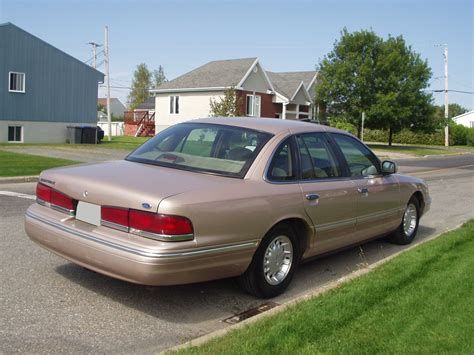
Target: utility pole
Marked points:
94	53
446	102
107	75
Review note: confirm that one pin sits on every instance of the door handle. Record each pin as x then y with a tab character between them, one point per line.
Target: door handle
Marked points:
363	190
312	196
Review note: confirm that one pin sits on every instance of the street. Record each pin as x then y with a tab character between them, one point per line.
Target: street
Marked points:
51	305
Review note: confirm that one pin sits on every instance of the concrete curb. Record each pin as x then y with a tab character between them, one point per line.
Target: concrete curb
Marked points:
18	179
312	294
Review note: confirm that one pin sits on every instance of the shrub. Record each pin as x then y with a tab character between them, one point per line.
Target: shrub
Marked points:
470	137
405	137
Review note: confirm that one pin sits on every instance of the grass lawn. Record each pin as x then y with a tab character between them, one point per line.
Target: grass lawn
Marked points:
413	150
119	142
419	302
463	146
14	164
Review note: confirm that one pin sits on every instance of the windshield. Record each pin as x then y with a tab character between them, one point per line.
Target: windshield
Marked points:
202	147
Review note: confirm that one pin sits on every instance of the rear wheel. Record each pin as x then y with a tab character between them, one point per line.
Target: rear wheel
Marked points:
273	264
407	230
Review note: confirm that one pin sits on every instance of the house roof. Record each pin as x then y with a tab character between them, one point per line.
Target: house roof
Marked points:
217	74
9	24
288	83
149	104
469	113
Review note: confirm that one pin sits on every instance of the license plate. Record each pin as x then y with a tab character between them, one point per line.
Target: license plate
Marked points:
88	212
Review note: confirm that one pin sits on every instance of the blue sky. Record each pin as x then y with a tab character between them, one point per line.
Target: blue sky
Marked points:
285	35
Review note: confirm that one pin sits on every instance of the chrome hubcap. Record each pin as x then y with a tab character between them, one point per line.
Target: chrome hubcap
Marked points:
277	260
410	219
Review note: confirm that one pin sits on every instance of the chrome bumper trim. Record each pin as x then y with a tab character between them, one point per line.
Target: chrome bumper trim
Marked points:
144	252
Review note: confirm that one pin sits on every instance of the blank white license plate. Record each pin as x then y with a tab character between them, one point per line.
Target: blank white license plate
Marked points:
88	212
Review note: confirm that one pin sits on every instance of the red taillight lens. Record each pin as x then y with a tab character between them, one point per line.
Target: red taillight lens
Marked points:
43	192
63	201
115	215
54	199
159	224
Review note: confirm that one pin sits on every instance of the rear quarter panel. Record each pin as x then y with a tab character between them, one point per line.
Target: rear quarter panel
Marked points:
238	213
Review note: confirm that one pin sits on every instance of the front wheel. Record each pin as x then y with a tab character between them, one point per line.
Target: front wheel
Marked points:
407	230
273	264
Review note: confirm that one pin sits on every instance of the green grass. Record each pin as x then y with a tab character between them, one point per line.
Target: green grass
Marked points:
15	164
419	302
412	150
468	147
119	142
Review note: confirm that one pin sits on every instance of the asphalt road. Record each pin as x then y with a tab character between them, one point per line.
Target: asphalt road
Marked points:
49	305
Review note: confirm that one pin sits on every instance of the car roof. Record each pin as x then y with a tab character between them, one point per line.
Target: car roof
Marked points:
270	125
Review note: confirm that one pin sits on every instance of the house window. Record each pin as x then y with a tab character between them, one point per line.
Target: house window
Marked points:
15	133
16	82
174	105
253	105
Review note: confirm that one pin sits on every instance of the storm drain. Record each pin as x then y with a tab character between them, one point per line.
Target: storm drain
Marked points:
250	313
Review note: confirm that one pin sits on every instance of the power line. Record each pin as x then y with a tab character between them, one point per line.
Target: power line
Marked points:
117	87
458	91
92	58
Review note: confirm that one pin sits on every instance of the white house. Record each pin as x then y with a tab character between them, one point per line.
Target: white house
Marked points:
466	119
265	94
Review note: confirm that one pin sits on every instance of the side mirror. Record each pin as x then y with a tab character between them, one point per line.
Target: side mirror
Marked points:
389	167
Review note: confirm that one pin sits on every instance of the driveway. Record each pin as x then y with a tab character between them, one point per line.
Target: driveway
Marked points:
51	305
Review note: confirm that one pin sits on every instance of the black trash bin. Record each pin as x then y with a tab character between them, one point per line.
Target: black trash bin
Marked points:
74	134
82	134
89	135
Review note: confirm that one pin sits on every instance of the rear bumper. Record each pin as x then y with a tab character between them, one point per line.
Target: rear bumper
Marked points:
120	255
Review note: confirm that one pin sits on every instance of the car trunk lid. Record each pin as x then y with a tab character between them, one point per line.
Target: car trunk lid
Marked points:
125	184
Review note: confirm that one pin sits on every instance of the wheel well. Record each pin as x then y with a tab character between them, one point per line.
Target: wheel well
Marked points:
302	230
419	196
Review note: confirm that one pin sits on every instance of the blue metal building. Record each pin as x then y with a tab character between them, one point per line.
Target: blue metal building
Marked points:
42	89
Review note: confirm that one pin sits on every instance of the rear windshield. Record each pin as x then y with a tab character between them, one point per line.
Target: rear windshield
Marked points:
209	148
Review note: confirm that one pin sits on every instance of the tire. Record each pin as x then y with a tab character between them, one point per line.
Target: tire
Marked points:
408	228
281	243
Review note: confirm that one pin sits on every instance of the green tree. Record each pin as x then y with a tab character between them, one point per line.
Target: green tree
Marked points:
385	79
101	108
453	111
159	77
345	80
140	86
401	99
230	105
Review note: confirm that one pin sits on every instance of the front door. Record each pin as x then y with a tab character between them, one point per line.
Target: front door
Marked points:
329	197
378	201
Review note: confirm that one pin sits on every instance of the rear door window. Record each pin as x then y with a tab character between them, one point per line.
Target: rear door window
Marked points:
317	160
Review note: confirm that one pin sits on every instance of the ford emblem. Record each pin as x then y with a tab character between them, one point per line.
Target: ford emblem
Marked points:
146	205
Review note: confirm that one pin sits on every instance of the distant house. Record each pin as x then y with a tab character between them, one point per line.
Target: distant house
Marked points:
294	91
117	108
148	105
466	119
264	94
42	89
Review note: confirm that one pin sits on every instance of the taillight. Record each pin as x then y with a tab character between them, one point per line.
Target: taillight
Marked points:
148	224
114	217
159	223
49	197
43	193
62	201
